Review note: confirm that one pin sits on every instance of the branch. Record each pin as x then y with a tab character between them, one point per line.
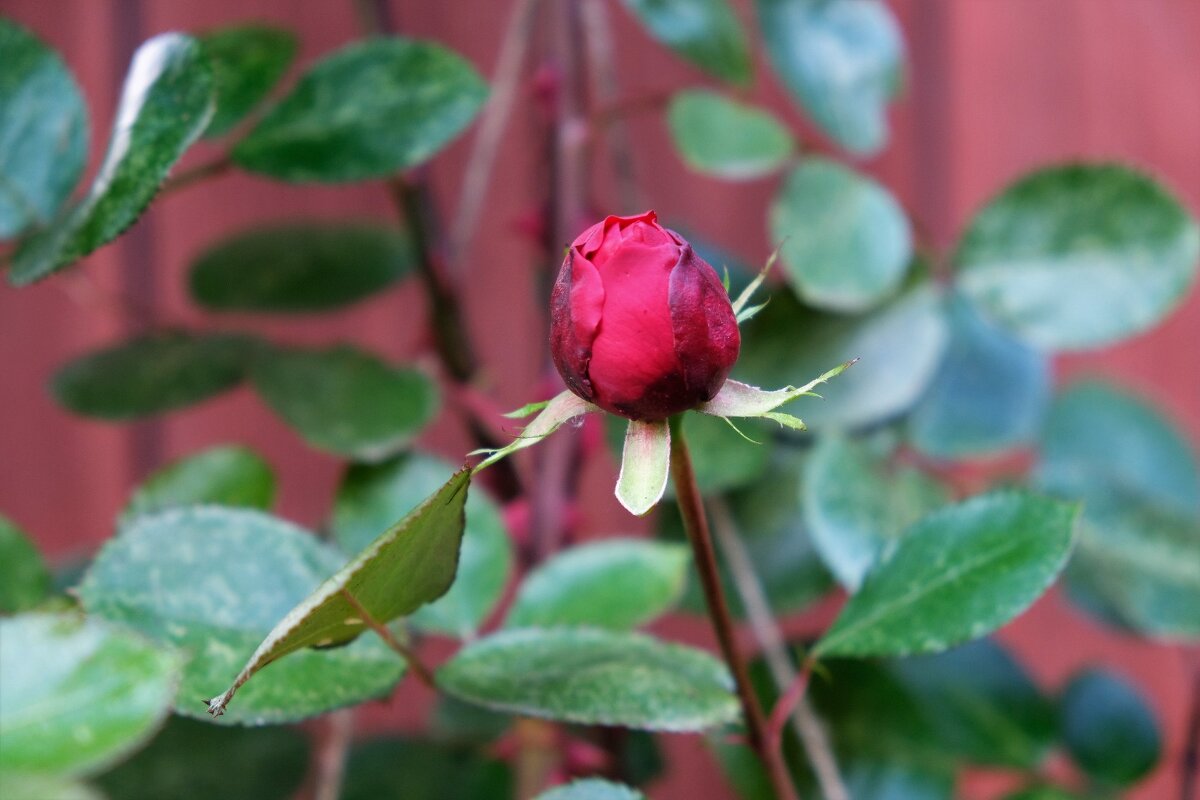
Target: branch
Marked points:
413	203
557	465
491	127
331	757
770	638
603	65
696	524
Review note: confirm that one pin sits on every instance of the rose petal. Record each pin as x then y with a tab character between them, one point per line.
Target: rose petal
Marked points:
703	324
576	306
634	349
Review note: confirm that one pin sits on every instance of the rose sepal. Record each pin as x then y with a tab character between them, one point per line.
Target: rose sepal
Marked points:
737	399
645	465
553	415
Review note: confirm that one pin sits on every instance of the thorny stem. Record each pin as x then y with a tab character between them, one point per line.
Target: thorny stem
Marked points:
491	127
695	522
331	756
770	638
604	70
414	663
414	205
557	463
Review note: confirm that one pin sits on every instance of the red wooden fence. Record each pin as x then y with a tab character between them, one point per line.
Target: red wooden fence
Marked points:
997	87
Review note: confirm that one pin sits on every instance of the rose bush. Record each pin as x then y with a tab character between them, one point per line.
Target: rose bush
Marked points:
208	586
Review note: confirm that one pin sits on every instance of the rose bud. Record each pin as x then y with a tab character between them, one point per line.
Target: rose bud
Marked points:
640	325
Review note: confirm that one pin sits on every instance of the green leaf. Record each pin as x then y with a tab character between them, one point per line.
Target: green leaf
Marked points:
192	760
639	756
956	575
645	465
1100	440
24	579
982	704
723	459
886	745
419	770
705	32
593	677
345	401
592	789
299	267
152	374
213	581
842	59
410	564
899	346
43	131
165	105
845	241
617	584
77	695
455	721
989	395
1081	255
372	497
725	138
366	111
867	779
226	475
769	519
246	60
46	787
1108	728
742	768
857	504
1137	566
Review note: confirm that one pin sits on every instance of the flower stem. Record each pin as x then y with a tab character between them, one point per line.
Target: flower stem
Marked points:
695	522
808	727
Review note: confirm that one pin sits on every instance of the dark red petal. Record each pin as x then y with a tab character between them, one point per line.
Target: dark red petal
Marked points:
705	327
576	305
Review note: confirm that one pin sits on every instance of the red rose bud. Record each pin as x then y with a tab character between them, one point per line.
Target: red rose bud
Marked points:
640	325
